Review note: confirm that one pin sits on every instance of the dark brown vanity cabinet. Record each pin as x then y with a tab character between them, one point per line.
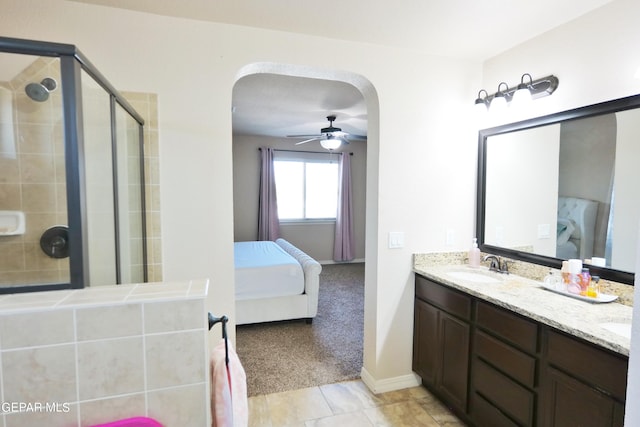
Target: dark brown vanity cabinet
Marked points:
500	369
503	368
583	385
441	341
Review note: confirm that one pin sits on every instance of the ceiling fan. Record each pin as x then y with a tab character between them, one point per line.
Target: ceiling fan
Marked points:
330	137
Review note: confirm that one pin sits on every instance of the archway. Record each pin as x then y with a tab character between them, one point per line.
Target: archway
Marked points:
370	235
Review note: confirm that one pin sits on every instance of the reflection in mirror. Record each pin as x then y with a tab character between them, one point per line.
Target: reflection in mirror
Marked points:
564	186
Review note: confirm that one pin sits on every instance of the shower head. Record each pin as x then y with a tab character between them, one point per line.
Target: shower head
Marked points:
40	91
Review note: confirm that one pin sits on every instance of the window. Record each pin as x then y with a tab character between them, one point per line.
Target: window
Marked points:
307	186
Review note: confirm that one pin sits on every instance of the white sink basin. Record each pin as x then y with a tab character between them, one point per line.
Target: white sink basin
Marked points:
471	276
619	328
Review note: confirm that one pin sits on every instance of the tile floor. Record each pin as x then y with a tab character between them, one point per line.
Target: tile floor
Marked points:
349	404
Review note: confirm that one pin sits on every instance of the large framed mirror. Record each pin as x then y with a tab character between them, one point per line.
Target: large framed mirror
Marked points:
562	186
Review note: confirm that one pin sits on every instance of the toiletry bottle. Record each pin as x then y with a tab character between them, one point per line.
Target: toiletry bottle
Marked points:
575	268
585	281
592	289
565	274
595	283
474	254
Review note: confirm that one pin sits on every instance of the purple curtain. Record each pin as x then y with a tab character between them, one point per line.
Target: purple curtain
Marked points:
344	246
268	224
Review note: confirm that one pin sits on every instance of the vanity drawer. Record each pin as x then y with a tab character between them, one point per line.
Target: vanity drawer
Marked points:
449	300
509	326
505	394
484	413
598	367
518	365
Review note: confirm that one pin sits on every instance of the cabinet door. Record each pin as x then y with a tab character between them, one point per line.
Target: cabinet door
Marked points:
425	341
454	376
573	403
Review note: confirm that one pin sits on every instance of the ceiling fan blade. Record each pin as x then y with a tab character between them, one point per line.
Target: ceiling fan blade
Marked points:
315	135
307	140
357	137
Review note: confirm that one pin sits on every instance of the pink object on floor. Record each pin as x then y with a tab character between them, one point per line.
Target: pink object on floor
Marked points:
132	422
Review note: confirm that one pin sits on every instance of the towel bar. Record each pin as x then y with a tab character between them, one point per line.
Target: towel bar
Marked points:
224	319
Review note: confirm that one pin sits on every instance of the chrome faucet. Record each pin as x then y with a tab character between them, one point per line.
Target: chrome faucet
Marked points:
497	265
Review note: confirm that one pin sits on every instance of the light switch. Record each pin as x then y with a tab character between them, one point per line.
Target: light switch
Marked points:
396	239
544	231
451	237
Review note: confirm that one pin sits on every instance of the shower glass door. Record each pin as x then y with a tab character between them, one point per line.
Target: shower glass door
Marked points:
72	206
131	242
32	172
99	179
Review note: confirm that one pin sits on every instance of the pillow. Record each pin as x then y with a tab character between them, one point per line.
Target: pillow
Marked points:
565	228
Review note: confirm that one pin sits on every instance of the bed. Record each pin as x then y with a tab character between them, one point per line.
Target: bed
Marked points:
576	228
274	281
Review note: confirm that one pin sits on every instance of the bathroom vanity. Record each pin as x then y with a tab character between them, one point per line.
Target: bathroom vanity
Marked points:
502	351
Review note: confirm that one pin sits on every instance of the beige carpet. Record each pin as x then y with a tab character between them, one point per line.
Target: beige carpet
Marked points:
289	355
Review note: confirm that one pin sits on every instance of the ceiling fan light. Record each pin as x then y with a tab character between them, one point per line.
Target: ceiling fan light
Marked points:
330	142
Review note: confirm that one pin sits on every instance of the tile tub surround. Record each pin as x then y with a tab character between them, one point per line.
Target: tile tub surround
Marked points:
93	355
526	297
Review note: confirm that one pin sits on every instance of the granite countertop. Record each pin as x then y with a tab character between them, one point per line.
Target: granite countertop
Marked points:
528	298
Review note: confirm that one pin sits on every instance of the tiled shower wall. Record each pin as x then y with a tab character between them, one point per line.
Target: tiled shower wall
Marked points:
32	179
146	105
91	356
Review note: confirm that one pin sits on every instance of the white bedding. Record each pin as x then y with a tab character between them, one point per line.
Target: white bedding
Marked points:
265	270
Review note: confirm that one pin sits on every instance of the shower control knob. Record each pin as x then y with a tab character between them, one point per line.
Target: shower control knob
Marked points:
55	241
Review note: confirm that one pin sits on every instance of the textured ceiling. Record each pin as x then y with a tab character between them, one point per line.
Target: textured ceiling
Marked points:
273	105
276	105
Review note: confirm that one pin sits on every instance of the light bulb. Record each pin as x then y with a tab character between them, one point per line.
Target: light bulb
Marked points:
521	97
331	142
498	103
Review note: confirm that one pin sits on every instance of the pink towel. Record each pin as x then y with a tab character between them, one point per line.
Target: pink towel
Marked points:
228	389
133	422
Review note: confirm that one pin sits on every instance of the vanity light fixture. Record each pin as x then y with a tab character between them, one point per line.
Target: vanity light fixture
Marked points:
482	102
522	95
537	89
499	101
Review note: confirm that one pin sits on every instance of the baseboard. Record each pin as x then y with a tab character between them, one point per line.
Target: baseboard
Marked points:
389	384
355	261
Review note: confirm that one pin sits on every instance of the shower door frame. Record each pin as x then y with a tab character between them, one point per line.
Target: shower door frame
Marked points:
72	63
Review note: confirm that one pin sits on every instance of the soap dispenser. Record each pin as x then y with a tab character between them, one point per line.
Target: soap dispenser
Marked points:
474	254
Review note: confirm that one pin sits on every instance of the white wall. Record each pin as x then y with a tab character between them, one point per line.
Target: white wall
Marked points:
421	151
632	411
627	204
595	58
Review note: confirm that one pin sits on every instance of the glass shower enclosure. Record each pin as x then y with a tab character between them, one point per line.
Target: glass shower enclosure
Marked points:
72	203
